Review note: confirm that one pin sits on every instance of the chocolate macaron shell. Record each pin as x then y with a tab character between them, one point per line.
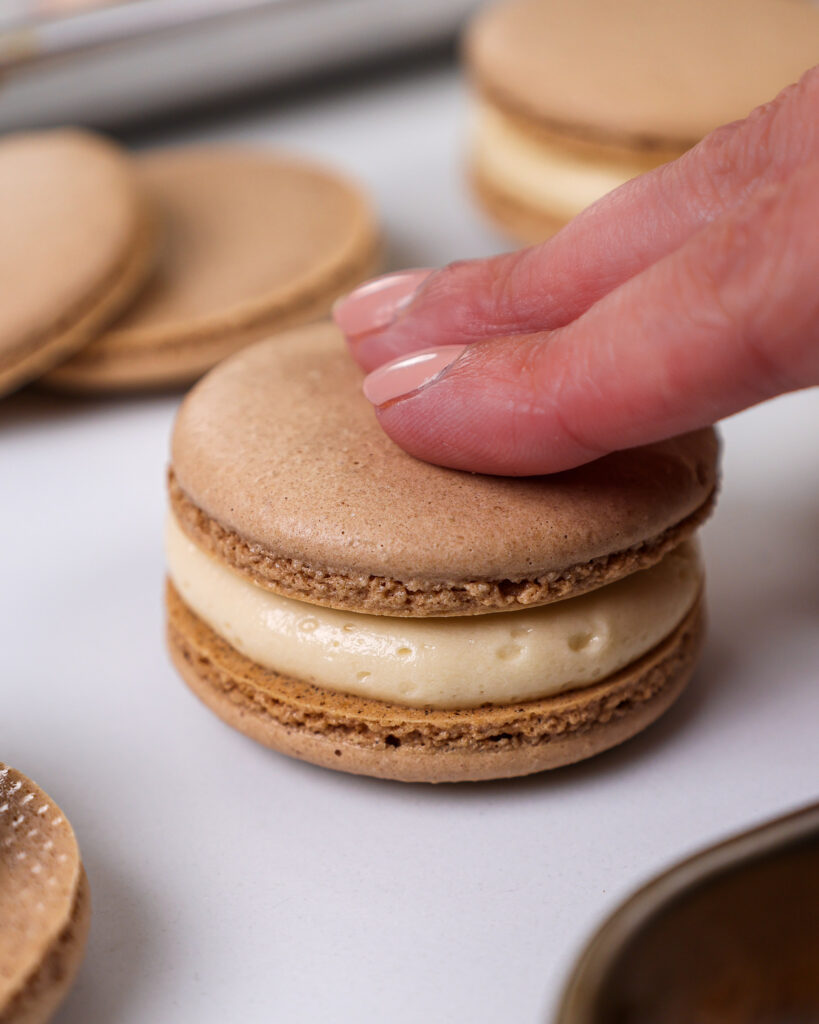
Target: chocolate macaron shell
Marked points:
254	242
44	902
639	71
279	468
79	239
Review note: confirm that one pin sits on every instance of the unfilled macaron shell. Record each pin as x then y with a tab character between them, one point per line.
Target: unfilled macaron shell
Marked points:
44	902
78	239
280	469
254	242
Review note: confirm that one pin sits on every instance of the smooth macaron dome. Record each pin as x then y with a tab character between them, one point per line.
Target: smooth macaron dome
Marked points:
79	238
254	241
346	603
574	97
44	902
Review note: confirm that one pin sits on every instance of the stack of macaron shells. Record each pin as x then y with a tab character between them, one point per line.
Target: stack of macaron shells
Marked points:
44	902
252	243
575	97
345	603
128	272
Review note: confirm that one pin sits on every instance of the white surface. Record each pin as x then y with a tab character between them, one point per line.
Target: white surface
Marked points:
231	884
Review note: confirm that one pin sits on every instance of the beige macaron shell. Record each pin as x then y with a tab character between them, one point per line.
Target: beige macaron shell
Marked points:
279	447
253	241
642	70
44	903
78	240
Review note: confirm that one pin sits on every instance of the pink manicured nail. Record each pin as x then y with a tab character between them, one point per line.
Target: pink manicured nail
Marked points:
409	373
375	304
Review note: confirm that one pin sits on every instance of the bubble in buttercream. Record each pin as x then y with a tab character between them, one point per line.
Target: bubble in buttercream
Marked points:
509	652
579	641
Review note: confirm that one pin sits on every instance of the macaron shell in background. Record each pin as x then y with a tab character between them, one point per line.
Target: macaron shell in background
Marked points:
573	99
280	468
639	71
44	902
78	240
254	242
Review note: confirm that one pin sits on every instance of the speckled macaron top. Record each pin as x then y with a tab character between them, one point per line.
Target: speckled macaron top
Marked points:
641	70
77	240
280	469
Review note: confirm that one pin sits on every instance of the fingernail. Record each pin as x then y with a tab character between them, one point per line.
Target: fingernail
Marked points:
409	373
375	304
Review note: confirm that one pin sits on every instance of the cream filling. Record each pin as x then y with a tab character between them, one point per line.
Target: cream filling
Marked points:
501	658
557	181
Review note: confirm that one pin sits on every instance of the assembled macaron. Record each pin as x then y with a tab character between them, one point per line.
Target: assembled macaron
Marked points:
45	906
574	97
345	603
78	240
254	241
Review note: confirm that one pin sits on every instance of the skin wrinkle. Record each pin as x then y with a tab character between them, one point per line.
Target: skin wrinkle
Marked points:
750	284
556	378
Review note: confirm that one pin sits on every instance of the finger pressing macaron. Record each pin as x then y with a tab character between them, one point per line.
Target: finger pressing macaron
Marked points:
45	906
253	242
78	240
344	603
727	320
575	97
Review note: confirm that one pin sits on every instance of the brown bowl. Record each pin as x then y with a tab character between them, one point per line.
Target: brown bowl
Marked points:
730	936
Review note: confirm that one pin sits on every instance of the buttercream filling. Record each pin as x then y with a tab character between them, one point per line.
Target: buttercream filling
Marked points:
559	181
463	662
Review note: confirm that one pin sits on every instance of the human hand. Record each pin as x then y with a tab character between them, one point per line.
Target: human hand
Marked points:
686	295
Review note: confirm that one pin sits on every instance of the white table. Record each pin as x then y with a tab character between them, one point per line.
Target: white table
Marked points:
233	885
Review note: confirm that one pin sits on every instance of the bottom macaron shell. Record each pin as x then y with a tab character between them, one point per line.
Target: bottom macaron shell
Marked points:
48	985
390	741
515	217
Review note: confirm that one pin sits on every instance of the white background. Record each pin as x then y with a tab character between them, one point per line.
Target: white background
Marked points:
231	884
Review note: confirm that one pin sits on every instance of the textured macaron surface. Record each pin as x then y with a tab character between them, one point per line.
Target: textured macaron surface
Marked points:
640	69
40	876
70	211
279	465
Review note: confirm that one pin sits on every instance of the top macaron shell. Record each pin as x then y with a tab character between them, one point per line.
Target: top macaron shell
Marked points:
279	465
74	222
647	71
